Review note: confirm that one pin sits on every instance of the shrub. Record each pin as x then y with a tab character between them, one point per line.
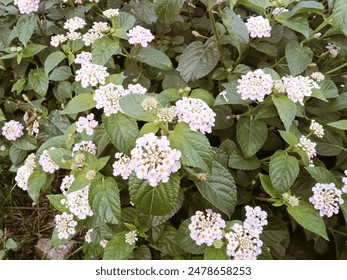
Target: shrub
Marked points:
180	129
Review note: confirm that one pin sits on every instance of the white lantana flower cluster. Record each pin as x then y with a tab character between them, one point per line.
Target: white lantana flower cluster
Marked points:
131	237
24	172
56	40
326	198
107	97
110	13
74	23
12	130
77	202
140	35
242	245
87	146
317	129
344	181
206	229
121	166
91	75
258	27
86	124
87	237
96	32
27	6
48	165
255	85
255	220
333	49
308	146
65	225
153	159
243	241
299	87
196	113
83	58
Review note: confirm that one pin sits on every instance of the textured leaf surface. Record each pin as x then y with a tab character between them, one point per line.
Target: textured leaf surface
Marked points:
194	146
219	189
198	60
122	131
283	171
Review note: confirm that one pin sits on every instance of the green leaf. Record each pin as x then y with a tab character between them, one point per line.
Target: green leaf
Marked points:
267	185
148	128
159	200
61	73
103	49
260	5
286	109
19	85
283	171
276	236
17	154
122	23
38	80
204	95
105	201
53	60
55	201
184	240
131	106
328	88
198	60
298	57
122	130
297	23
155	58
80	181
10	244
168	10
144	10
194	146
339	17
79	103
212	253
60	156
341	124
251	135
2	254
1	234
321	175
236	29
142	253
26	25
307	7
32	49
238	161
36	183
308	217
117	248
219	189
166	243
343	210
289	137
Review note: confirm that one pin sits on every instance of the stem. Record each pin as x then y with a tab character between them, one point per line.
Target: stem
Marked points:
320	27
335	69
338	232
269	200
215	31
44	35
